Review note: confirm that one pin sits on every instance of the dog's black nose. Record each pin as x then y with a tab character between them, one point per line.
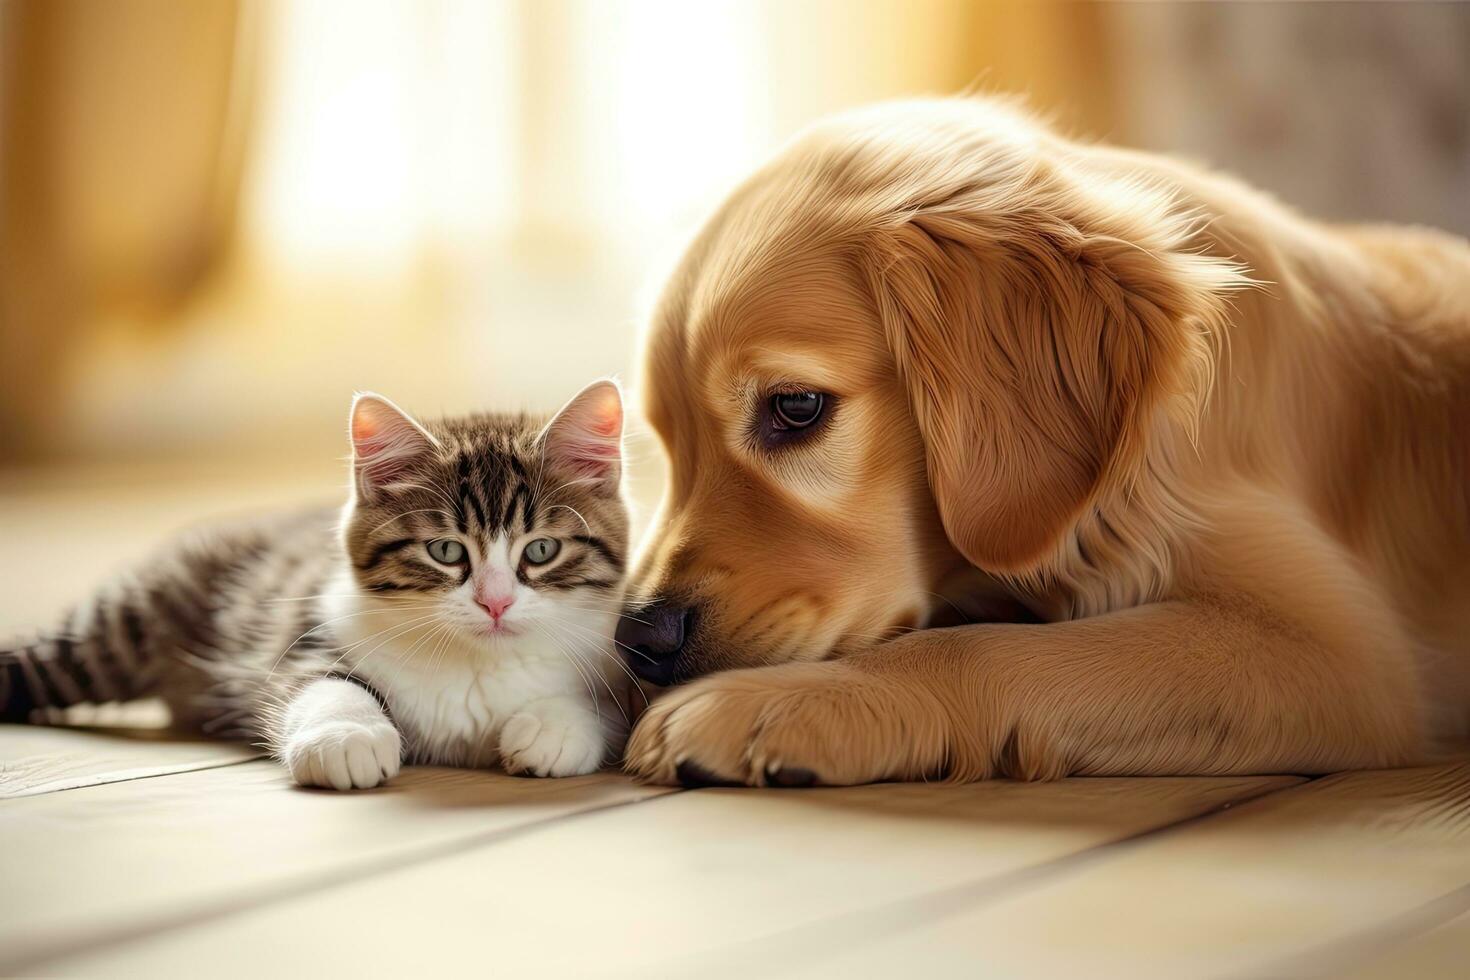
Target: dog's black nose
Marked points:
651	637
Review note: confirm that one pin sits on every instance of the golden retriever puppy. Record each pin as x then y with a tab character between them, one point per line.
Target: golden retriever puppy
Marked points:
936	363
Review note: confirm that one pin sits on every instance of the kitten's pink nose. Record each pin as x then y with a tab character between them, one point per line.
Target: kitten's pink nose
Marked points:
496	605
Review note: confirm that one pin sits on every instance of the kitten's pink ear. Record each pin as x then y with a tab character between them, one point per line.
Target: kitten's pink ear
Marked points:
586	436
386	442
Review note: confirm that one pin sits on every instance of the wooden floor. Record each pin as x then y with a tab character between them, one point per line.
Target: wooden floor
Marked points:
127	853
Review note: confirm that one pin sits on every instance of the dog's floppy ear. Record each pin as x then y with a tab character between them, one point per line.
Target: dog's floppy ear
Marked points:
1036	356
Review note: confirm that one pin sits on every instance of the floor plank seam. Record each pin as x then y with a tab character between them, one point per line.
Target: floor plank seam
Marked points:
799	945
113	781
249	900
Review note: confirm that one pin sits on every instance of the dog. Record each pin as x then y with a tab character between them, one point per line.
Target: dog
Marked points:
995	453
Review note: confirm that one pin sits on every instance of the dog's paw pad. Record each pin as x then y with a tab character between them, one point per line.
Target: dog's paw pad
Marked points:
790	777
691	775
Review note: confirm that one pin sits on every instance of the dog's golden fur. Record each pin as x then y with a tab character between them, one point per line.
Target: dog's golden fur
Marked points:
1221	451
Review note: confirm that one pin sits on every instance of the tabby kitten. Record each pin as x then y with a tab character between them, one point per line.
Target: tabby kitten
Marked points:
459	611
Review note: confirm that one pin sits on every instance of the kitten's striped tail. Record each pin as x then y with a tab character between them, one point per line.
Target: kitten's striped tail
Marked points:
99	653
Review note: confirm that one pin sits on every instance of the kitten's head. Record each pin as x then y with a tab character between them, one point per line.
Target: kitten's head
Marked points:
491	526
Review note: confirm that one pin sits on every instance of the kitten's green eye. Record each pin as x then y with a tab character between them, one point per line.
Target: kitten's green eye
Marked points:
542	550
446	551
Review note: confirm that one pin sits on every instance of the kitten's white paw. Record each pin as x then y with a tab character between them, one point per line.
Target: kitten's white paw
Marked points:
553	737
344	754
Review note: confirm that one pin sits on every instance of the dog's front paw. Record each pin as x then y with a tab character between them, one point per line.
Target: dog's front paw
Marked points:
343	754
792	725
552	737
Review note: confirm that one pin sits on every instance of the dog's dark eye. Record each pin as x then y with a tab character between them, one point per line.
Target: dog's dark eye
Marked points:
797	409
788	417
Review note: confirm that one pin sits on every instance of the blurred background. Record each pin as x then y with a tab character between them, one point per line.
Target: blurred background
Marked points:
218	218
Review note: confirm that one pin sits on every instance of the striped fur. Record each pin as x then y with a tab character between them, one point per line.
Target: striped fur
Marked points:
231	624
193	617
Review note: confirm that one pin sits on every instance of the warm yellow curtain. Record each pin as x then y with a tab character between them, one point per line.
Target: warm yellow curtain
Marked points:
122	124
447	181
460	201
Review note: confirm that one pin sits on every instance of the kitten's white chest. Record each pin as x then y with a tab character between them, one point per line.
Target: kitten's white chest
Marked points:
452	708
451	697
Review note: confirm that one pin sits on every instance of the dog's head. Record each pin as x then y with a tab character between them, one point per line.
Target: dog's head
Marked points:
916	345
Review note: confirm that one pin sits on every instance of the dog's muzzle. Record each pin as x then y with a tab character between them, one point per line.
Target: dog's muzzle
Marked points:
651	638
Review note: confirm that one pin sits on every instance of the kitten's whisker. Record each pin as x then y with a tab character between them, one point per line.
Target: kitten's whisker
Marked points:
444	636
409	624
597	701
591	693
408	653
633	650
419	510
408	628
447	630
335	619
597	648
345	651
602	636
576	664
572	603
618	662
574	511
396	599
569	648
444	497
441	653
558	489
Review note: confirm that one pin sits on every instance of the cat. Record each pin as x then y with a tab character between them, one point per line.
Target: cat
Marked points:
458	611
